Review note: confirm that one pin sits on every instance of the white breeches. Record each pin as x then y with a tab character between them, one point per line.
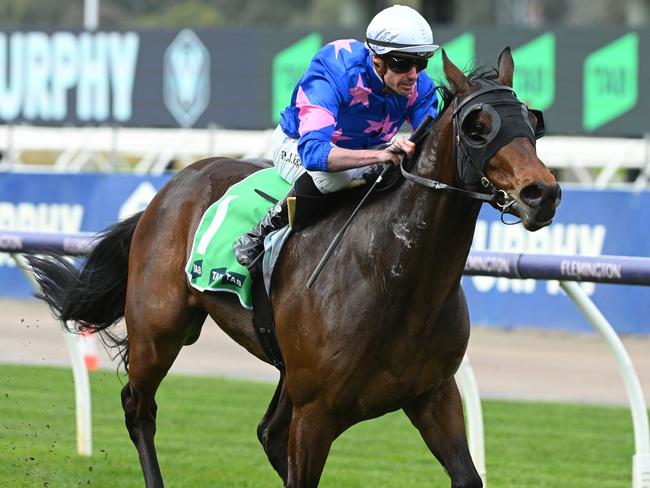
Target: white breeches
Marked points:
284	153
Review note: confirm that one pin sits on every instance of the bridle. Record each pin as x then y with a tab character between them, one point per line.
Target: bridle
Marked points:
472	155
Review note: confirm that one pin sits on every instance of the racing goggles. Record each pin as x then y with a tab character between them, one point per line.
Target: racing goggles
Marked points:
402	64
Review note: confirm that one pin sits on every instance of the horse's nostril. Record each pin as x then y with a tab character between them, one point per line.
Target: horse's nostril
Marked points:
537	194
533	194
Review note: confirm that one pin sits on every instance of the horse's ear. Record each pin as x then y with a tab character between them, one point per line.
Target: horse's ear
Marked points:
458	82
506	67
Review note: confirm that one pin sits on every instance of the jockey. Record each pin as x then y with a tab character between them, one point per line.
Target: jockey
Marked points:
352	98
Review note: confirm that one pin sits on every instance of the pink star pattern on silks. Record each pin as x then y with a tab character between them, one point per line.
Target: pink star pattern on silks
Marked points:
337	136
312	117
341	44
412	96
385	125
360	93
389	135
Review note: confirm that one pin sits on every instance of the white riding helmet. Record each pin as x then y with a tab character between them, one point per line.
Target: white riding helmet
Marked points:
400	28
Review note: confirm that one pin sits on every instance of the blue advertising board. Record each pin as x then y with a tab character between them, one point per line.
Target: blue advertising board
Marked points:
66	203
588	223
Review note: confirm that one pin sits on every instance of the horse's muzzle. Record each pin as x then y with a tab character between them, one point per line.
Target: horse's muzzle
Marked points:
536	204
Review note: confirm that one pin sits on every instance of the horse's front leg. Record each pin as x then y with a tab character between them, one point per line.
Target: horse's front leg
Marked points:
438	415
313	429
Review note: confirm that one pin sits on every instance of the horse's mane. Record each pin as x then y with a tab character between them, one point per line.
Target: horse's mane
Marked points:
478	73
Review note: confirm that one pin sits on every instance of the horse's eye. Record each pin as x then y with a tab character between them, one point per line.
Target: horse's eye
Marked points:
478	128
477	131
475	127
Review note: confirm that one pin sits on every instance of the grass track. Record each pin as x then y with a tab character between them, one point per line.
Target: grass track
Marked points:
206	438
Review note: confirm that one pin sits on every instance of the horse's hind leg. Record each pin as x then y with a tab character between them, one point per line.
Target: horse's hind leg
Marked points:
438	415
155	340
273	430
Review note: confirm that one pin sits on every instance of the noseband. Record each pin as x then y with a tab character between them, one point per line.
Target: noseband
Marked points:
472	152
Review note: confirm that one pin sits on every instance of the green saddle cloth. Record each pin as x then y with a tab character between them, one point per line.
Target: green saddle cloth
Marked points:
212	265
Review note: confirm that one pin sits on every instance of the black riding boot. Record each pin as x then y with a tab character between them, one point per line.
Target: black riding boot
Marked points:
251	244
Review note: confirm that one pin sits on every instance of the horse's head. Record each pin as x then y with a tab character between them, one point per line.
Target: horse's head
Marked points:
494	144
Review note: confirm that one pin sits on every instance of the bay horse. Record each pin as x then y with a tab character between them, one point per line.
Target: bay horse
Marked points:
384	328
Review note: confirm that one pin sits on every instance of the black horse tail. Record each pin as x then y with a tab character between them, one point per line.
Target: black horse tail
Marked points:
91	298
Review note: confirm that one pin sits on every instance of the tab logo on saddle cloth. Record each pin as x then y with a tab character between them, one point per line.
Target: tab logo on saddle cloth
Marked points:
212	266
197	268
222	274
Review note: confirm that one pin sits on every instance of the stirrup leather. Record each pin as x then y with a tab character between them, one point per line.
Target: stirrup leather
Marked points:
249	246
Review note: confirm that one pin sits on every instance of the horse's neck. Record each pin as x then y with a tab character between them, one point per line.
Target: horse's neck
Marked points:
429	231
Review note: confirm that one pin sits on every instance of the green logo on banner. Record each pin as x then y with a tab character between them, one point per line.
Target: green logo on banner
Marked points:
460	51
611	81
288	66
534	79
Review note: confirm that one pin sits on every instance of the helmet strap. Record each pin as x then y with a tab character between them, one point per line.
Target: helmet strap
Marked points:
380	68
380	65
387	89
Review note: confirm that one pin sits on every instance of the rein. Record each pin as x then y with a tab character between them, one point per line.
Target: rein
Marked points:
437	185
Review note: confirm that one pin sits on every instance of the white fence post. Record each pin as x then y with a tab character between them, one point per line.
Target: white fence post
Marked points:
641	458
79	374
472	402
